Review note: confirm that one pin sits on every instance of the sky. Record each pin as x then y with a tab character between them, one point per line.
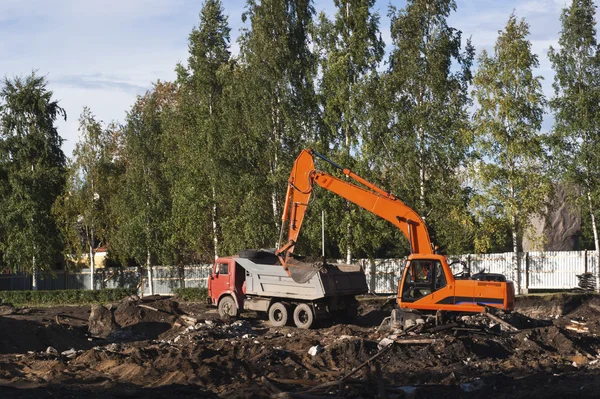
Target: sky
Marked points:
104	53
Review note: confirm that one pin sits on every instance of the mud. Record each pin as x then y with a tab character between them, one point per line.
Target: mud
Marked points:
156	354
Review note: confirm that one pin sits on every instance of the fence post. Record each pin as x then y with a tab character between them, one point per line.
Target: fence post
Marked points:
373	276
526	290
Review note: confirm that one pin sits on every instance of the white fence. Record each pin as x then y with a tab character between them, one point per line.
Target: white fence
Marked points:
535	271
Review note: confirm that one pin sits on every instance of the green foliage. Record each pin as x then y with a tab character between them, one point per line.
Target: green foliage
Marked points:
576	106
192	294
65	297
274	90
510	175
197	161
420	141
32	173
143	204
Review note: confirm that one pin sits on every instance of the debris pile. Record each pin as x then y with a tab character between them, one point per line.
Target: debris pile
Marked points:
195	351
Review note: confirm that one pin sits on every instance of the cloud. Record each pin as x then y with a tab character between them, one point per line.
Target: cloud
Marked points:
99	81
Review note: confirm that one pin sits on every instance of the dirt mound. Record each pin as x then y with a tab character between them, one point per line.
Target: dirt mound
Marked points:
246	358
21	336
134	320
551	306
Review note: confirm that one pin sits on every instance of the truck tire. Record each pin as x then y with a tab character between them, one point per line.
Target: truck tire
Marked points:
278	314
227	307
303	316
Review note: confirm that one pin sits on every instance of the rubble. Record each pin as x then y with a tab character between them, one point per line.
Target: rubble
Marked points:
156	349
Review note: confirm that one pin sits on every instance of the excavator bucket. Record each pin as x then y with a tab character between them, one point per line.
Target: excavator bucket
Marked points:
301	272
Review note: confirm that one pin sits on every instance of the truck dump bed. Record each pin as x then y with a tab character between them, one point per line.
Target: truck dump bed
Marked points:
271	280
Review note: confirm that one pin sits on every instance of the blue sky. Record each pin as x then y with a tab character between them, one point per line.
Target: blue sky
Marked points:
102	54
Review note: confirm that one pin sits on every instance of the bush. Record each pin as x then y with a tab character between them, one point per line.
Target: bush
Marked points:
192	294
65	297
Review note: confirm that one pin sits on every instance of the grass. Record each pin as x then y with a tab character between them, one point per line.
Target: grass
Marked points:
191	294
64	297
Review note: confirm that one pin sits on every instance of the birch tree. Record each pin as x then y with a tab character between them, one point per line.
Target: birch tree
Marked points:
511	179
350	49
143	206
576	106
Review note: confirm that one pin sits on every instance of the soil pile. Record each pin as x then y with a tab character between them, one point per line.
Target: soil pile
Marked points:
246	358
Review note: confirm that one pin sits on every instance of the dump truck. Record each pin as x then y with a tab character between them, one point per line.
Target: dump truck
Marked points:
255	281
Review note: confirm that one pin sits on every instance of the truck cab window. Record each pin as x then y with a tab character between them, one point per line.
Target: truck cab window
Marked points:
223	268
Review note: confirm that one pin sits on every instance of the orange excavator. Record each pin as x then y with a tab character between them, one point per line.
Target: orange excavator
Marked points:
428	282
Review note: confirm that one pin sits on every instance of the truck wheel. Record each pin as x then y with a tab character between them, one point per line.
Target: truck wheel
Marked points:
303	316
278	314
227	307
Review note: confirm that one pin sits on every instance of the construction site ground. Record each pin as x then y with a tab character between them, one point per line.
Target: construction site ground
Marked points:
164	348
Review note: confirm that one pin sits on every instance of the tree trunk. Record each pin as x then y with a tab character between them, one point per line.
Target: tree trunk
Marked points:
92	264
214	222
34	276
422	172
595	230
515	243
515	261
149	268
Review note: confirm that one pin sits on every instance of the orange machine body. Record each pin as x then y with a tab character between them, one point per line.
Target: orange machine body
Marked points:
428	284
432	288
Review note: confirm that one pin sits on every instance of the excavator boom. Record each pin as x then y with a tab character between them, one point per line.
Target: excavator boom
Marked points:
370	197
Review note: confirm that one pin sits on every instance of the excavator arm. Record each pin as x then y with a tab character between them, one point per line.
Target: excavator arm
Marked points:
368	196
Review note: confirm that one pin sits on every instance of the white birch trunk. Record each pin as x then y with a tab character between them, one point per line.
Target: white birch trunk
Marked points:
422	172
92	264
214	223
595	230
149	268
34	276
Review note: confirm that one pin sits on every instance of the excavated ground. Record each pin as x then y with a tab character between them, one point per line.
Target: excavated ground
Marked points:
158	350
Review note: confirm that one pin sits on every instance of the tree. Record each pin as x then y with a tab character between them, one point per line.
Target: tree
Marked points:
33	174
351	50
427	134
511	182
576	106
82	211
275	86
198	160
143	206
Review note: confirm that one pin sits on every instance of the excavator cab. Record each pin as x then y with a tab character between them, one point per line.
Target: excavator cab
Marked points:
423	277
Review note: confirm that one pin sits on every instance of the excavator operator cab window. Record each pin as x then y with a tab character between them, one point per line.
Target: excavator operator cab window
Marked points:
422	278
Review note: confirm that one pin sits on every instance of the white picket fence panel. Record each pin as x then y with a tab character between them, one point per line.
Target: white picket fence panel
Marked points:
535	271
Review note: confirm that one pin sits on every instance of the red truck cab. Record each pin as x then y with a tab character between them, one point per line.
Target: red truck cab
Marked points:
226	286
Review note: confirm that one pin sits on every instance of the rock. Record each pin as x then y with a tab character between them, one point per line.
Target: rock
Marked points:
51	351
71	353
384	343
472	386
313	351
101	322
6	309
209	323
